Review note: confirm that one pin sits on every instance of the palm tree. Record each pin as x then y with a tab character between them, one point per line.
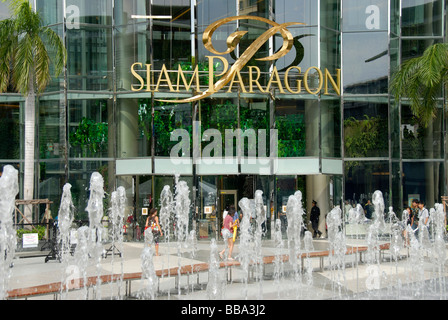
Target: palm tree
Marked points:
25	63
421	80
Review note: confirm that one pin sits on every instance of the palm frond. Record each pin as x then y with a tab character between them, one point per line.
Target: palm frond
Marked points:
58	48
420	80
23	64
8	42
41	65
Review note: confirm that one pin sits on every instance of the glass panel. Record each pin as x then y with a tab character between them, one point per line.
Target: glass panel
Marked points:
51	11
133	128
171	37
395	129
304	52
397	197
412	48
330	13
365	129
208	207
219	114
10	128
298	11
167	118
422	17
331	128
297	122
330	48
365	62
395	17
423	181
79	178
254	115
56	83
94	12
89	59
419	142
50	124
89	127
51	180
365	15
132	45
363	178
211	11
285	187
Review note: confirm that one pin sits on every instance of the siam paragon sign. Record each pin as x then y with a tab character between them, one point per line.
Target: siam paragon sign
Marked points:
232	75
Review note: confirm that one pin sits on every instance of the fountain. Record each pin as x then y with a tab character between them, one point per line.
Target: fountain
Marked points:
149	276
294	213
215	289
95	210
65	219
246	254
337	248
9	188
423	257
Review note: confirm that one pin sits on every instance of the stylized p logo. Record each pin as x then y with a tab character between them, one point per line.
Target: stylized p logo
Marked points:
232	42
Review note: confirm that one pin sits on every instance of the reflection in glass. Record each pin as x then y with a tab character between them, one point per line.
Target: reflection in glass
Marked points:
365	62
364	130
363	178
10	127
422	18
89	59
423	181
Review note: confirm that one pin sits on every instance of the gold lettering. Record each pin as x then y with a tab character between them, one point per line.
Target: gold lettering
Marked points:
148	77
305	80
136	75
164	72
277	81
195	77
252	80
211	69
336	86
240	81
299	82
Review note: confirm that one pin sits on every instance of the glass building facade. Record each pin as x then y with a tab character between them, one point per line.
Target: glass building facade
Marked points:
335	147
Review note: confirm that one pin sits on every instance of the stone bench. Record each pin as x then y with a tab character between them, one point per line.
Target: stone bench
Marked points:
56	287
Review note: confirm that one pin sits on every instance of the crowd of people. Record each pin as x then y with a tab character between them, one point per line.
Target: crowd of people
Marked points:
416	216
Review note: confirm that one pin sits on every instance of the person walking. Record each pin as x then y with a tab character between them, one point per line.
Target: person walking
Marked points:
153	223
227	234
314	218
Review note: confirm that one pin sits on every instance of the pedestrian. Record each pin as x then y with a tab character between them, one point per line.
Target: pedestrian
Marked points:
314	217
407	220
369	209
414	218
227	234
423	214
153	223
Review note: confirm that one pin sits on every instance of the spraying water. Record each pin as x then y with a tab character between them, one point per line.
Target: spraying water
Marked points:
182	211
149	276
116	219
65	220
246	250
9	188
336	239
95	210
294	214
278	262
215	290
260	214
